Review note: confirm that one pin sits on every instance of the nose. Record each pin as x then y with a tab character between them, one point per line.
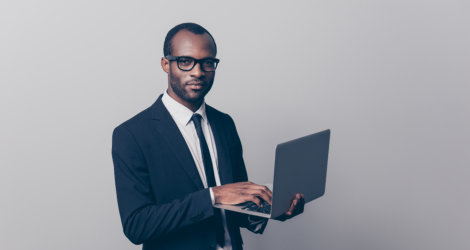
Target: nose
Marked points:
197	71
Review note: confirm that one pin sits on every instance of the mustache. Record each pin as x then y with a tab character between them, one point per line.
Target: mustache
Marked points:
196	82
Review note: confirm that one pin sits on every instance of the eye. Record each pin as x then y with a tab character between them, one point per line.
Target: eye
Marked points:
185	61
209	63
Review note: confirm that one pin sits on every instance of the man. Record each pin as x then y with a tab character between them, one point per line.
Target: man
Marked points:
177	158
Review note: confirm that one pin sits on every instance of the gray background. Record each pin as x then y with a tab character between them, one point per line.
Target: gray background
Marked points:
390	78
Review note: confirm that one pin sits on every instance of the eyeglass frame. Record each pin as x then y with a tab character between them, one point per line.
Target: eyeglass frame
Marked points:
196	61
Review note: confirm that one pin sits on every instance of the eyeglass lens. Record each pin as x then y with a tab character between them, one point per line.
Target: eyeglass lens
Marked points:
187	63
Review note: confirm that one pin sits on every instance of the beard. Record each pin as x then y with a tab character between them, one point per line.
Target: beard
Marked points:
187	94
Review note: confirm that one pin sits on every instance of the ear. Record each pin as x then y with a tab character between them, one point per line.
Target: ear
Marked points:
165	65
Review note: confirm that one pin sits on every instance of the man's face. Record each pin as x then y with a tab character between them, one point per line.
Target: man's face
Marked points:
189	87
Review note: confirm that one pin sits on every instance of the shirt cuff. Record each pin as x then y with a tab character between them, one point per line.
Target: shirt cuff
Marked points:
257	224
212	196
255	219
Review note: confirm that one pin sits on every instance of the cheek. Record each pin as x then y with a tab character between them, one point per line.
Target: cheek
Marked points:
210	78
175	77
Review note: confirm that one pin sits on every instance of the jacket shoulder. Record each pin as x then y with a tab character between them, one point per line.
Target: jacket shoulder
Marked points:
136	122
217	114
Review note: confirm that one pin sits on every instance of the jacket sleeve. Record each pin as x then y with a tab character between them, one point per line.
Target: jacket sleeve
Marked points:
253	223
142	219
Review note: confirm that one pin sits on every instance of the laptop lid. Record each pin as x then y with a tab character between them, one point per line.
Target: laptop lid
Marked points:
300	167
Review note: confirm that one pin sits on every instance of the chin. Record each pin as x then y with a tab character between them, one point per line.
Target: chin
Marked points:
194	99
196	96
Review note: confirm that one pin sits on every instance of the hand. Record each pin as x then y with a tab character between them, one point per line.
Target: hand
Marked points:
296	208
239	192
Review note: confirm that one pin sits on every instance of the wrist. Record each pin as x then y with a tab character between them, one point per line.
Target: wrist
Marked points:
216	194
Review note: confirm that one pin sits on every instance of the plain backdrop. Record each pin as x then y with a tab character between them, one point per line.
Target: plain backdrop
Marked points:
389	78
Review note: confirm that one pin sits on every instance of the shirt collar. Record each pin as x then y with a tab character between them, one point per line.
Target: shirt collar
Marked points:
180	113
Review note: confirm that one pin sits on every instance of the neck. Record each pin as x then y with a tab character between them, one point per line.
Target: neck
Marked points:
193	106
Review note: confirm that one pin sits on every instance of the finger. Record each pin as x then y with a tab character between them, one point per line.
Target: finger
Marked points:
295	200
256	200
248	183
266	196
291	208
297	207
268	193
251	185
298	199
289	212
300	206
246	196
264	193
257	192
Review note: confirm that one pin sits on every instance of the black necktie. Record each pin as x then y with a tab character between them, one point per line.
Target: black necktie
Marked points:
206	158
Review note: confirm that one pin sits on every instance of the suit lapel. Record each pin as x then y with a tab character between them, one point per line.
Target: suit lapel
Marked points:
223	157
168	129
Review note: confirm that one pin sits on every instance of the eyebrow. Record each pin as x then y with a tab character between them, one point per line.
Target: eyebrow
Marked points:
207	57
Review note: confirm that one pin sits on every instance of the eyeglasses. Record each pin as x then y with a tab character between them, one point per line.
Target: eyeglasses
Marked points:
187	63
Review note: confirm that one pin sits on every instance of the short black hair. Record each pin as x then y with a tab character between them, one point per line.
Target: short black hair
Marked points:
192	27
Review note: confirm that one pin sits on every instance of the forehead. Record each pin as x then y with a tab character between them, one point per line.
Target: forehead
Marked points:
186	43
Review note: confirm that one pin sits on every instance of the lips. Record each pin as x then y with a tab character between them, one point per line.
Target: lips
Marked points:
196	85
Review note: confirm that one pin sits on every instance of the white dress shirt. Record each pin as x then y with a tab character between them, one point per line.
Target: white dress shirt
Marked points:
182	117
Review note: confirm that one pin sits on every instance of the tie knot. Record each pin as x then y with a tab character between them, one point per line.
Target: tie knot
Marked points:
196	118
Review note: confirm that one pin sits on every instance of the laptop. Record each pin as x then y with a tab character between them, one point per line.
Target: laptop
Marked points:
299	167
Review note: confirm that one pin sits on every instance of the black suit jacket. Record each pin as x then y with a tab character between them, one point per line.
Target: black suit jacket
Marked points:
162	201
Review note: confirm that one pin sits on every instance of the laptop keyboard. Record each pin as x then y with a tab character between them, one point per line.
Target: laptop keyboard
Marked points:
251	206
